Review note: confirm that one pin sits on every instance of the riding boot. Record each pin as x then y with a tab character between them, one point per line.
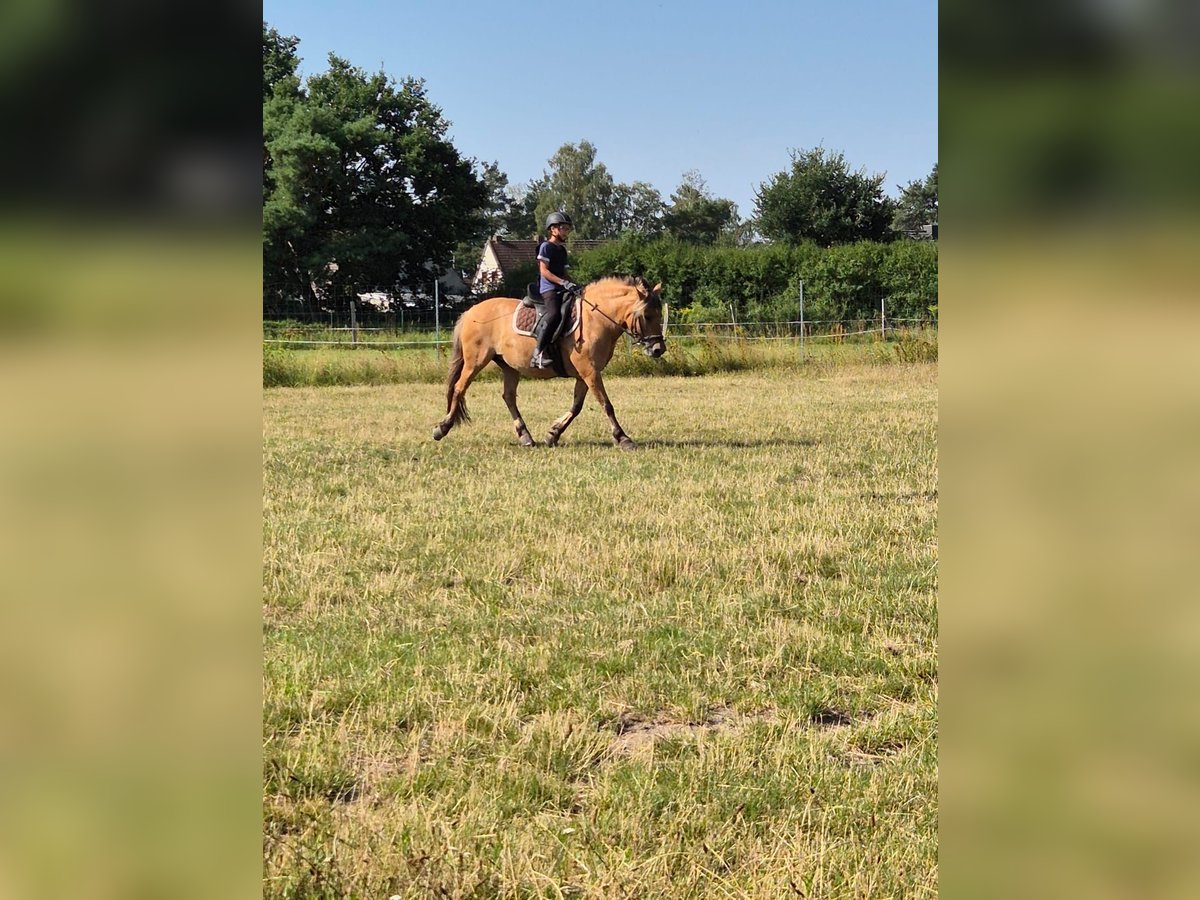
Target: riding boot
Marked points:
548	326
541	360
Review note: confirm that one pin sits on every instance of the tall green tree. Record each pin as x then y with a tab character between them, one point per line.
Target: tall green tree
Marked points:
496	207
492	217
580	184
365	191
520	218
695	216
279	59
821	200
600	207
918	204
637	208
281	90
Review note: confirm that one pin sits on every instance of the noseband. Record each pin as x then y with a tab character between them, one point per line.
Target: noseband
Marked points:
645	340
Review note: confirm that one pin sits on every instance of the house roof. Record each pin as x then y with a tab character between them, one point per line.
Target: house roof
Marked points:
510	253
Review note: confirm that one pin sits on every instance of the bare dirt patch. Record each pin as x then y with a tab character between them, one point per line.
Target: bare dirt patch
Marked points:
636	735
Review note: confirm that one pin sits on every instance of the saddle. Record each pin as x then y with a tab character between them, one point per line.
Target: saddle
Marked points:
529	315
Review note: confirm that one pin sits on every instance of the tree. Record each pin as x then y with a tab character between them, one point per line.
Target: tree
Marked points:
520	219
496	207
918	204
279	59
636	209
364	190
695	216
582	186
279	76
492	217
600	208
821	200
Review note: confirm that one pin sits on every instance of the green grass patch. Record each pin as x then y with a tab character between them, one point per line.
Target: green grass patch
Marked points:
296	366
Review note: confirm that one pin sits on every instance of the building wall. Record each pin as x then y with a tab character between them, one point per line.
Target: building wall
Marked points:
489	268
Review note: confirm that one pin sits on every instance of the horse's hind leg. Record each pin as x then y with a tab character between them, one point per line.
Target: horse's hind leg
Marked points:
511	379
456	404
557	429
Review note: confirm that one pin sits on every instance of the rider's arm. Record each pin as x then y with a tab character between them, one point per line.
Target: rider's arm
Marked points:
548	275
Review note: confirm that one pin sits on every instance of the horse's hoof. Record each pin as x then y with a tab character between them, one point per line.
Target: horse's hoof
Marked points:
438	434
552	440
626	444
527	441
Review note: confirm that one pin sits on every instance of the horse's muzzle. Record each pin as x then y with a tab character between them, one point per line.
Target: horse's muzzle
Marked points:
657	349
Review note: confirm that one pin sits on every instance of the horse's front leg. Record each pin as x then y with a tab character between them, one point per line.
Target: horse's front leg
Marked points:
557	429
619	436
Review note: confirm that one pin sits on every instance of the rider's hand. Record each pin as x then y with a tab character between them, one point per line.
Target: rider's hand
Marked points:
570	287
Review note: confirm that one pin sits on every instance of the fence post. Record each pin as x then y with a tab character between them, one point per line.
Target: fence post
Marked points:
802	319
882	319
353	325
437	320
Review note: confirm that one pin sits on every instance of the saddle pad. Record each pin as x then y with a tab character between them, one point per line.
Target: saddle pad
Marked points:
525	318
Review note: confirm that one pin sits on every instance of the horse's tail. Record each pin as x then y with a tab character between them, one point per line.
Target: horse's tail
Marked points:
456	369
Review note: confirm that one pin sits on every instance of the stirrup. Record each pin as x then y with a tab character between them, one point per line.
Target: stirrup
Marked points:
540	361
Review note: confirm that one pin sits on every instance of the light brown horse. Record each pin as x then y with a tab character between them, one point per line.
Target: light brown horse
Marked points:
611	307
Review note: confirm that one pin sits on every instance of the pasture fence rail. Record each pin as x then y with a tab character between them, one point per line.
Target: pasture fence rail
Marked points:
298	336
418	328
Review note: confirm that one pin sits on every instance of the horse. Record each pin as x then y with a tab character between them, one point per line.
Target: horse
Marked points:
609	307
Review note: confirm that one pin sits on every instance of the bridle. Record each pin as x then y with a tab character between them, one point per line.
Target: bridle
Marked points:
644	339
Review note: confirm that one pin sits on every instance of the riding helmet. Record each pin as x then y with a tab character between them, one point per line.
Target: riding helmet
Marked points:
558	218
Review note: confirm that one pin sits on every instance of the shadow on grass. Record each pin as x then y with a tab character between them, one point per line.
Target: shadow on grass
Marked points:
710	443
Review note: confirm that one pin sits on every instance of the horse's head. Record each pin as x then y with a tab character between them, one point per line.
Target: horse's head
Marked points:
647	319
630	304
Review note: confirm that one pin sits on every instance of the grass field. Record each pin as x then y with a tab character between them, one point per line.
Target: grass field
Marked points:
704	668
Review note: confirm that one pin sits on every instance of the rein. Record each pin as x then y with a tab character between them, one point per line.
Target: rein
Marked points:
644	340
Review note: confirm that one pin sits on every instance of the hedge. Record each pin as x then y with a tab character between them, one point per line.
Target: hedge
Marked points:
762	282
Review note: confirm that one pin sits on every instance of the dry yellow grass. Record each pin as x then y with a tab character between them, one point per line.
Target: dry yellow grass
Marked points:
707	667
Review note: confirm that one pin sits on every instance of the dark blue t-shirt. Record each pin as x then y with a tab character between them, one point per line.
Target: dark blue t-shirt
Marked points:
555	257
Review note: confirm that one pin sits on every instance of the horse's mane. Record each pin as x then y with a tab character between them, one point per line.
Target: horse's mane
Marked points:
635	281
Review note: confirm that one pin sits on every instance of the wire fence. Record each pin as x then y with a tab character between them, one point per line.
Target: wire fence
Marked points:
299	335
414	321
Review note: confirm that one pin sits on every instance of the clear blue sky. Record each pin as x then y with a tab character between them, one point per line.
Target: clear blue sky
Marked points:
659	86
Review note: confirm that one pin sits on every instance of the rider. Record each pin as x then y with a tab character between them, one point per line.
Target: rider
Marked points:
552	264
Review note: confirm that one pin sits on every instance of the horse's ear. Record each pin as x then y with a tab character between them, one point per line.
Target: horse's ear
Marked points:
656	288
